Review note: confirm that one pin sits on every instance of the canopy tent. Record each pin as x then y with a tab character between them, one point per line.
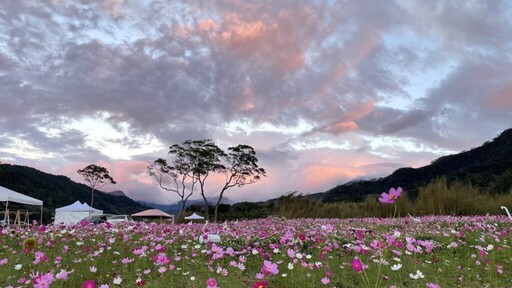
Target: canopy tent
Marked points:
7	195
194	217
73	213
153	213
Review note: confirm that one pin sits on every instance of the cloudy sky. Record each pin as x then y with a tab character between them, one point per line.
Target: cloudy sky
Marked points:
325	91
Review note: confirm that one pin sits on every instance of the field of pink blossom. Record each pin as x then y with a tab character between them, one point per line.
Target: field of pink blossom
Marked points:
430	251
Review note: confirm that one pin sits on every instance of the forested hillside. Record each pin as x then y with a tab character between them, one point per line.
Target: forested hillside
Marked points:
58	191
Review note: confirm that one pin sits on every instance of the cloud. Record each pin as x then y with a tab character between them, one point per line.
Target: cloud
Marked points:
304	82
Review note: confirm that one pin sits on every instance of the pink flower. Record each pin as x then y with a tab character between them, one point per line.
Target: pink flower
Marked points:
211	283
325	281
63	274
269	268
357	265
89	284
391	197
43	280
260	284
127	260
433	285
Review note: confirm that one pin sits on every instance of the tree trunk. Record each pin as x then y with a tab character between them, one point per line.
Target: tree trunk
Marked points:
181	209
207	210
92	197
217	207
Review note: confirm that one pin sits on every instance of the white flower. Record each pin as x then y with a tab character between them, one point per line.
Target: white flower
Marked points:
418	275
192	278
290	266
308	256
18	266
298	255
118	280
93	269
254	252
489	247
284	275
396	267
276	250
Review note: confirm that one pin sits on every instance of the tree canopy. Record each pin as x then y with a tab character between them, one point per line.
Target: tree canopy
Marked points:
96	177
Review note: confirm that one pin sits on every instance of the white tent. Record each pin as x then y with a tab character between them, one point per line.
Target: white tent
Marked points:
7	195
194	217
73	213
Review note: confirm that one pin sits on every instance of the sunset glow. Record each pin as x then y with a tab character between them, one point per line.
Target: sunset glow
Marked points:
324	91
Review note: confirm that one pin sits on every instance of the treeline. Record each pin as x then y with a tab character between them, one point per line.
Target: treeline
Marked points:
439	197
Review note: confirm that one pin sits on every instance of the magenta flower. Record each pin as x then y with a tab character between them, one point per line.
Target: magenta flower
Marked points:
43	280
211	283
325	281
433	285
260	284
269	268
89	284
390	198
357	265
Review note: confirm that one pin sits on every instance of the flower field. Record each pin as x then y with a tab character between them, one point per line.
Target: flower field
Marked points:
430	251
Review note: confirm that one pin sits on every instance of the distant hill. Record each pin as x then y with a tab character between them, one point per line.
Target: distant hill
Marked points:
117	193
58	191
175	208
488	167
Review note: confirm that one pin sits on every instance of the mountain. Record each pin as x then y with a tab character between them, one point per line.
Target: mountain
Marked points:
488	167
175	208
57	191
117	193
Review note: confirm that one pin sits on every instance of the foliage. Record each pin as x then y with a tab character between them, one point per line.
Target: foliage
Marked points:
96	177
241	168
177	178
195	160
203	157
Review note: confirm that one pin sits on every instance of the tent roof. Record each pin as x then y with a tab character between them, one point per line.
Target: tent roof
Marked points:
7	195
77	207
194	217
152	213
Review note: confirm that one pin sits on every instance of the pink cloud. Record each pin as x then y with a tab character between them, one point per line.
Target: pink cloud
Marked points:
280	42
347	121
502	98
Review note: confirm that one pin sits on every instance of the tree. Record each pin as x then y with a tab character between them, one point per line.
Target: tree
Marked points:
177	178
241	169
96	177
204	157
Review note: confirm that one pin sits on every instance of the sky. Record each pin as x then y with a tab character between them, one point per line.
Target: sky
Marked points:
324	91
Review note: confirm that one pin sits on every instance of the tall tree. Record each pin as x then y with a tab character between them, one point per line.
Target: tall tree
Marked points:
177	178
96	177
241	169
204	157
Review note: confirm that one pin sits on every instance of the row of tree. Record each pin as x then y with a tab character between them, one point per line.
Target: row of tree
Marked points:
188	167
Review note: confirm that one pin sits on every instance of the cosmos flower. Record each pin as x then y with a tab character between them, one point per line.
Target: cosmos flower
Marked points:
211	283
260	284
390	198
357	265
89	284
269	268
